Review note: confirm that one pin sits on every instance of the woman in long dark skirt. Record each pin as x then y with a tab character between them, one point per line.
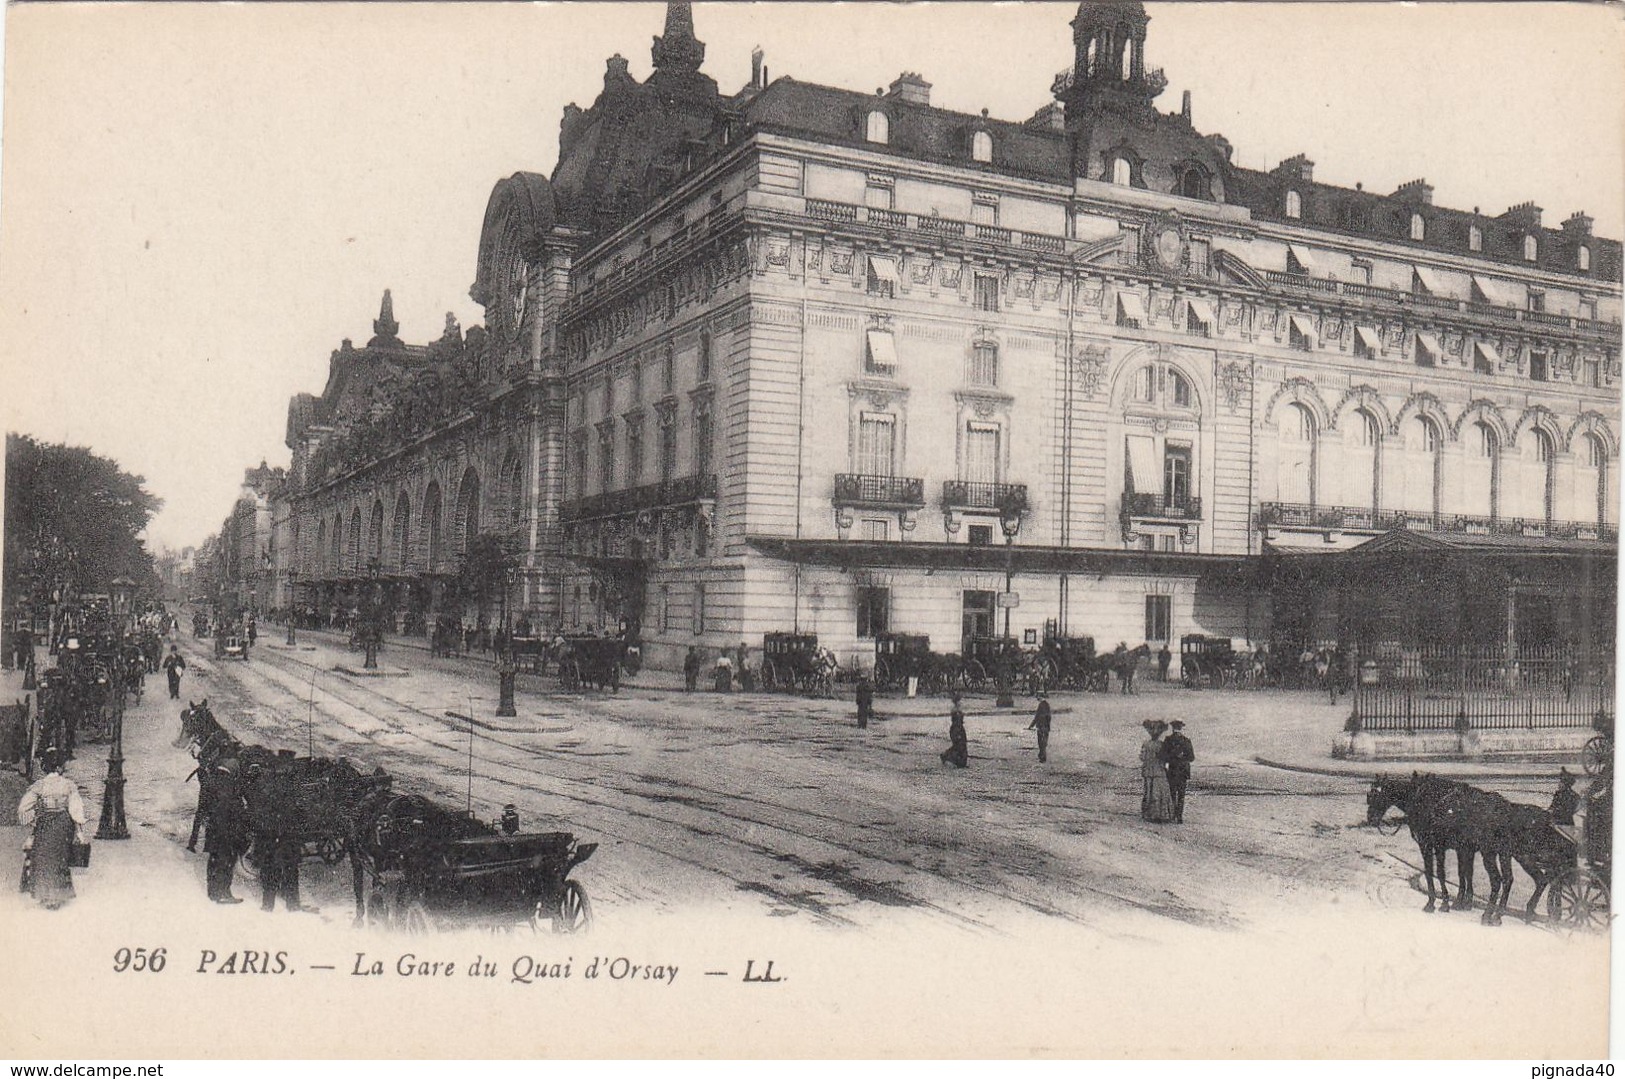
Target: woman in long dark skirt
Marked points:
52	811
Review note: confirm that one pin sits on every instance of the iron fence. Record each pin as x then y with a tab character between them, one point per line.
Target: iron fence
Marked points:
1440	687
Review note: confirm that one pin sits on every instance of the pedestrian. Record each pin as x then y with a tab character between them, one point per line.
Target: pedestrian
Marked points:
866	701
1565	802
1164	658
1040	723
174	664
53	814
1156	803
253	630
747	677
724	672
1177	755
691	670
958	751
227	833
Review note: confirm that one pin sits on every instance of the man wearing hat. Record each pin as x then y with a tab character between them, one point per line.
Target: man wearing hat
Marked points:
1178	754
1040	723
1565	802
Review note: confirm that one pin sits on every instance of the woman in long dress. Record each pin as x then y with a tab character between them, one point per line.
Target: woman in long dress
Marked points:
1156	800
52	811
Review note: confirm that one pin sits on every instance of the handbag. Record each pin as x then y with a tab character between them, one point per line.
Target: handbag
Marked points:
78	855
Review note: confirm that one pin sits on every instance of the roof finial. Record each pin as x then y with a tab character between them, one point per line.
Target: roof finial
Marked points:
678	51
385	325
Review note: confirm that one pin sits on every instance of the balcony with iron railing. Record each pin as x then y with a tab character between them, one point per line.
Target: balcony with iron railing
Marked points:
678	492
1300	515
1356	290
966	495
1162	507
845	213
890	492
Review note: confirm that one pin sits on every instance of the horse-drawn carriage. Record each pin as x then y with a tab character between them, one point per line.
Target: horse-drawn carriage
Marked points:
1207	661
794	662
595	661
902	656
234	646
1069	663
1579	895
434	869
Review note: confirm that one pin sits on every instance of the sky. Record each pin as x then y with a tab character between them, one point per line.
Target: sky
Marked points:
198	202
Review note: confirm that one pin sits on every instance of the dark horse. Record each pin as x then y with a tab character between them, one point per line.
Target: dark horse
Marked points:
394	832
1426	801
1124	662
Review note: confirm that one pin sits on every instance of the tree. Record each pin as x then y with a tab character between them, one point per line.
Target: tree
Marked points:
484	571
73	516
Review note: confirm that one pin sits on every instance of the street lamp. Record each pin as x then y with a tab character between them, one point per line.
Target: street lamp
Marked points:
293	604
112	824
372	631
505	663
1011	507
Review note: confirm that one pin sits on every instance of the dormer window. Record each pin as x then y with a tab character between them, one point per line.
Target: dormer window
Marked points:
1583	257
1194	183
877	128
1419	227
1294	204
1475	238
1531	248
981	147
1122	172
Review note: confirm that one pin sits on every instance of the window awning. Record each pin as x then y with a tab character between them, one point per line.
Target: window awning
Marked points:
1304	325
1429	343
883	268
1303	258
1429	279
1202	312
882	349
1368	337
1129	306
1488	352
1144	471
1491	291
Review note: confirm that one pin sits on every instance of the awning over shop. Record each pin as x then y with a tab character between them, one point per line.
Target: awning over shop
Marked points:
882	349
883	268
1430	280
1368	337
1487	351
863	554
1491	291
1130	307
1429	344
1304	325
1305	260
1142	462
1202	312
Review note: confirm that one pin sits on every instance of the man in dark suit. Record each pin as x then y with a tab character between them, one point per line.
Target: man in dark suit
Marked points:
227	833
1040	723
1178	754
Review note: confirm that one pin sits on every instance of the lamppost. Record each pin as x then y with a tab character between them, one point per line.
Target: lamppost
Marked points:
505	664
1011	507
293	604
372	630
112	824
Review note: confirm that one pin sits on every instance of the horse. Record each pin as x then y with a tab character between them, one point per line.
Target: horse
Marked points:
393	832
1124	662
1512	831
1428	803
197	723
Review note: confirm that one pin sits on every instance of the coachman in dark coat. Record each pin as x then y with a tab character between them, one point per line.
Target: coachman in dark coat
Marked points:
227	835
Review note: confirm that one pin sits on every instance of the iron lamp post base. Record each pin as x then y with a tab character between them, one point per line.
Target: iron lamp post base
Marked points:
112	824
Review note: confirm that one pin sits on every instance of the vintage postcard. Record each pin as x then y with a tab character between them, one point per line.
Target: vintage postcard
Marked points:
809	530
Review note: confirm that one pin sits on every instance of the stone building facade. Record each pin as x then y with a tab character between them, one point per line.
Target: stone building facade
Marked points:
806	358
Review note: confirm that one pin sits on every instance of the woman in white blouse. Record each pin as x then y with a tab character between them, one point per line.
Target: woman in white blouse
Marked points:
53	812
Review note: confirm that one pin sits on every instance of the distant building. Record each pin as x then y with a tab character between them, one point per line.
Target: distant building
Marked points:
848	363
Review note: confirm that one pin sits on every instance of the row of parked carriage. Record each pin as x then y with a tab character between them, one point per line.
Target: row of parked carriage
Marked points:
416	865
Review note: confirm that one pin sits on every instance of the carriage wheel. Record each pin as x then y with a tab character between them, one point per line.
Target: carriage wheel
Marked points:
330	849
1046	675
822	683
883	674
1597	756
974	675
770	676
570	675
574	914
1579	900
931	680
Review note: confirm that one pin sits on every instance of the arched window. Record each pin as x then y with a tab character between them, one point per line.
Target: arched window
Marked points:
1540	474
400	533
468	510
1419	476
1128	61
1475	238
1182	389
981	147
513	491
321	543
1145	384
1294	204
1089	59
1531	248
1584	257
1122	172
335	546
1295	455
1361	460
1591	480
1419	228
353	555
431	526
375	531
1483	471
877	128
1194	184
